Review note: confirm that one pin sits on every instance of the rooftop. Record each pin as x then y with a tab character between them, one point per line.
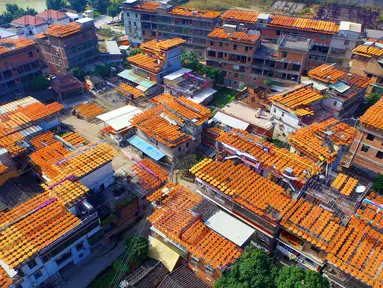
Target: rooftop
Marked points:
129	91
304	24
31	226
191	12
271	157
372	118
313	140
237	36
241	16
369	49
147	6
29	20
297	99
56	162
52	14
120	118
182	277
175	219
246	187
151	175
10	44
146	62
162	45
88	110
63	30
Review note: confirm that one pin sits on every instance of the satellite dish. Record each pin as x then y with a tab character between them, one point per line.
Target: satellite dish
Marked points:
360	189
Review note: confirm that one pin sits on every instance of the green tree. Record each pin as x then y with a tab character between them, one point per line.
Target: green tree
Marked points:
214	74
55	4
78	73
190	60
113	9
294	277
101	70
13	11
78	5
137	248
100	5
38	83
373	98
254	269
119	265
377	185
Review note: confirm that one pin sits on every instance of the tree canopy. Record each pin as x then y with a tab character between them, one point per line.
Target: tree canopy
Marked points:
377	185
78	5
255	269
78	73
38	83
373	98
137	248
55	4
113	9
100	5
13	11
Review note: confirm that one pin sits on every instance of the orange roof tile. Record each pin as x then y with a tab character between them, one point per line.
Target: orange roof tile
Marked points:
63	30
191	12
238	36
271	157
74	138
344	184
369	49
241	16
162	45
304	24
8	45
146	62
311	140
150	174
128	90
89	110
43	140
33	225
67	192
148	6
175	220
246	187
297	99
373	116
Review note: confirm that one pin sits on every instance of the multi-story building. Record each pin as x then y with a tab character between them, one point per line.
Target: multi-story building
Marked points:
245	59
153	20
54	17
367	148
29	25
64	46
173	127
330	42
19	63
367	61
345	91
179	221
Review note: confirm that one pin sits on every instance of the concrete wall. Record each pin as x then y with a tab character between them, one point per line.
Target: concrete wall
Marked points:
101	178
133	29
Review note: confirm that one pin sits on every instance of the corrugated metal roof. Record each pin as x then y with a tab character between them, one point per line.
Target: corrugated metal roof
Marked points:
230	121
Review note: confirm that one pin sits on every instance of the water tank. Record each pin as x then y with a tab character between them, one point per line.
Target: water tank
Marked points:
360	189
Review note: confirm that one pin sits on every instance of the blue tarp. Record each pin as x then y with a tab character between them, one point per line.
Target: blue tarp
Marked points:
145	147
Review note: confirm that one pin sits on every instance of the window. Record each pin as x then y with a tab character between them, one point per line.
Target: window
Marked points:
370	137
379	155
135	24
179	148
220	44
30	54
38	275
275	110
335	103
136	15
130	23
209	269
284	54
246	48
187	144
278	32
80	246
365	148
60	260
283	114
323	38
32	264
235	47
211	43
346	42
235	75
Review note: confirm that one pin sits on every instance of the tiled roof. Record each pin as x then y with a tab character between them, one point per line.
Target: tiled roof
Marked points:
42	140
150	174
52	14
32	226
304	24
271	157
369	49
328	73
63	30
165	44
148	6
297	99
182	277
128	90
175	220
74	138
29	20
146	62
9	45
241	16
67	192
159	122
311	140
246	187
344	184
5	281
89	110
191	12
373	116
238	36
57	163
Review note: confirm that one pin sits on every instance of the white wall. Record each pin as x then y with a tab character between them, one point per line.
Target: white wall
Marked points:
103	175
134	30
289	121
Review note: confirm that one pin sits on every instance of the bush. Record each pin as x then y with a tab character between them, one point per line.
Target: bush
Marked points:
39	82
377	185
137	248
373	98
78	73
